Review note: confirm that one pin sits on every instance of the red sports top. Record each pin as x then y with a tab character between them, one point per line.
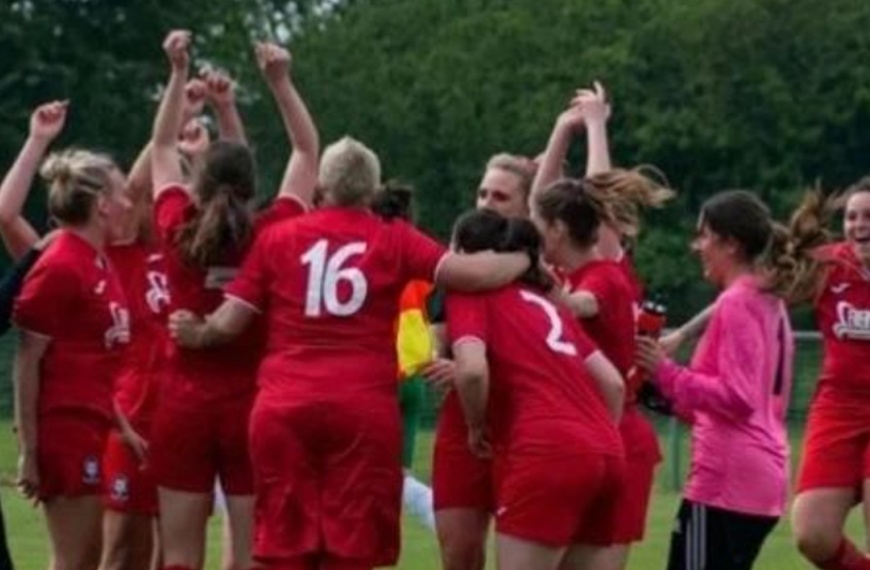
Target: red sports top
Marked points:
536	352
142	273
843	317
329	284
73	296
612	329
228	370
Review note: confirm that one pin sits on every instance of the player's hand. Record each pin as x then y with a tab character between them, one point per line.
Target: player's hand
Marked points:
137	444
47	120
194	139
195	93
571	119
593	104
221	90
176	47
184	328
273	61
648	353
28	476
671	342
441	373
479	443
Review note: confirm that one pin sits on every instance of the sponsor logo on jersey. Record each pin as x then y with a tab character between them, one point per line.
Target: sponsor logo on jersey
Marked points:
218	277
120	490
853	323
119	332
157	295
91	470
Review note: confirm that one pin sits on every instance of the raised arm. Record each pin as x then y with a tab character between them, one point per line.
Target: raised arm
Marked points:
596	112
165	167
551	164
300	176
46	123
222	98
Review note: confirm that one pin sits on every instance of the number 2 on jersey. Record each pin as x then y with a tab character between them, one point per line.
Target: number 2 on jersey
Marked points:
324	275
554	337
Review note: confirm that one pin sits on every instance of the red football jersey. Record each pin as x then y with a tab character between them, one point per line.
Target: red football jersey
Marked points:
612	329
227	370
329	284
73	296
843	317
536	352
141	270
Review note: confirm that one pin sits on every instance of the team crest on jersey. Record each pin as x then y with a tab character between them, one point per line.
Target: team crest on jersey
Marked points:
120	489
91	470
853	323
119	332
157	296
218	277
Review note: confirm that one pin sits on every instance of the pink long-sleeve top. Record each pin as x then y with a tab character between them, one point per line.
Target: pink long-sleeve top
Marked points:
735	392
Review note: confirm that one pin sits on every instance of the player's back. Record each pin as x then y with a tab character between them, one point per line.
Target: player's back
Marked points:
536	352
334	281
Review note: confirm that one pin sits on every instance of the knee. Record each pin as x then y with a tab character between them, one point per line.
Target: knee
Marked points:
462	552
817	543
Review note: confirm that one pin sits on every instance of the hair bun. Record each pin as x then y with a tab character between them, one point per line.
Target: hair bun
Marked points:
57	168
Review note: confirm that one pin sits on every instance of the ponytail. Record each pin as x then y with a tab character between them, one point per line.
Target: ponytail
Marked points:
624	192
221	225
794	269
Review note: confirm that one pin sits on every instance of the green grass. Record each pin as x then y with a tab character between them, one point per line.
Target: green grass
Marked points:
29	545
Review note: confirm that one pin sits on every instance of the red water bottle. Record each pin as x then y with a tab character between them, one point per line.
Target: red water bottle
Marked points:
651	319
650	323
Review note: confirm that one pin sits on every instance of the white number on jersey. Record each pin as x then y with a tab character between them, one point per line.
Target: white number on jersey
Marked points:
554	337
326	272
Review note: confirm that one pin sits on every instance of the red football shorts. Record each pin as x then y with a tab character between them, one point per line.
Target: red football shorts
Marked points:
642	454
70	448
836	450
128	486
192	443
559	501
460	479
329	479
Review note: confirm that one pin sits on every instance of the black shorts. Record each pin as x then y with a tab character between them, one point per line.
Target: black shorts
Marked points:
710	538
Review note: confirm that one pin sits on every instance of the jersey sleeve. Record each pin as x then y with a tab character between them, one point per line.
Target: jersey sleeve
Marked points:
735	391
466	318
47	299
251	284
420	254
171	211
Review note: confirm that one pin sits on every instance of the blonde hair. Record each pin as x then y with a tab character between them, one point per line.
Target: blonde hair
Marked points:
520	166
350	173
624	192
75	179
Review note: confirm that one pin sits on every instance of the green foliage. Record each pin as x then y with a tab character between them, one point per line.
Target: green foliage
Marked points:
771	95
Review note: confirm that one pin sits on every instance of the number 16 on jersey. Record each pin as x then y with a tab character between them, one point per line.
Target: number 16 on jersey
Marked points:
326	272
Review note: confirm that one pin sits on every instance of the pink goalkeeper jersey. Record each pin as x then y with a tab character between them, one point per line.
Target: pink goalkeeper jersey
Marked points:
736	393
